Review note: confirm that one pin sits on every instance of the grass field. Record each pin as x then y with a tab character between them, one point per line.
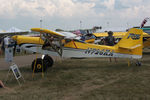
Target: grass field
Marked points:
82	79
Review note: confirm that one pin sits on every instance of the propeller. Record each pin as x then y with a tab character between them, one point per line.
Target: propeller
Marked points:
144	22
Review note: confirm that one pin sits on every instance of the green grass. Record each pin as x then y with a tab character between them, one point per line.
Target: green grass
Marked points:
82	79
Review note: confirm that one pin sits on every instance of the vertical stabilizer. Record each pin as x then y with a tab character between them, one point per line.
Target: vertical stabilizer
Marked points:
132	41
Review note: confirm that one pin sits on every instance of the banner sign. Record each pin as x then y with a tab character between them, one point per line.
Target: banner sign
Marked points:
16	71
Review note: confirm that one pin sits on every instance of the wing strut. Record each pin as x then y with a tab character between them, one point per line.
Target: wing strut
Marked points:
53	43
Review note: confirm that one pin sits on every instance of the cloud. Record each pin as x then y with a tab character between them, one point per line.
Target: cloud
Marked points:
129	9
136	9
109	4
132	2
70	12
71	8
34	8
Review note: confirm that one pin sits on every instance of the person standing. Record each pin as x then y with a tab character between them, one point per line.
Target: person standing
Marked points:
110	40
8	45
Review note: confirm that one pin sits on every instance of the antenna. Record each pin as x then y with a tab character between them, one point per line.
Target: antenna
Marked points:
41	22
80	24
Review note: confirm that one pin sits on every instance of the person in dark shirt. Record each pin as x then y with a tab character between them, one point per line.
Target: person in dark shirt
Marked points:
110	40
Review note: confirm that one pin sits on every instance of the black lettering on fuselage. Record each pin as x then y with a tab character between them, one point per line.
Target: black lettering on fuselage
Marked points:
105	52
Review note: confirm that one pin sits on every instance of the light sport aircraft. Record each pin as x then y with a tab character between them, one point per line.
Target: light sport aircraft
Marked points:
67	45
119	35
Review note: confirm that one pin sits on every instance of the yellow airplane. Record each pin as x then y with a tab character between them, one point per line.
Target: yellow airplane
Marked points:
52	43
119	35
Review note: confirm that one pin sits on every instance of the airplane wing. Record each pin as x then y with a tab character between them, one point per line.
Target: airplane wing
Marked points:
57	34
20	39
146	34
146	43
116	34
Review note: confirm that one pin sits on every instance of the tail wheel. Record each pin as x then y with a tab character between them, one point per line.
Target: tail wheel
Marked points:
38	64
48	61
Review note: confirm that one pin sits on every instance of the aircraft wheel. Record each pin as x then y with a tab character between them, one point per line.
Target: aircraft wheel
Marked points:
38	65
48	61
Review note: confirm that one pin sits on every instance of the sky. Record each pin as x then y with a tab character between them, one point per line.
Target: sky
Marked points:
72	14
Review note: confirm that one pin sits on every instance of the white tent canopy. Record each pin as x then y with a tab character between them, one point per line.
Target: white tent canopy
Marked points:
14	29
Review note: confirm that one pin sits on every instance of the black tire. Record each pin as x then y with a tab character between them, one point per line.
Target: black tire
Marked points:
38	65
48	61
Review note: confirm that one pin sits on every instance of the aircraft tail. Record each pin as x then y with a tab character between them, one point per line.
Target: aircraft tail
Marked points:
132	41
